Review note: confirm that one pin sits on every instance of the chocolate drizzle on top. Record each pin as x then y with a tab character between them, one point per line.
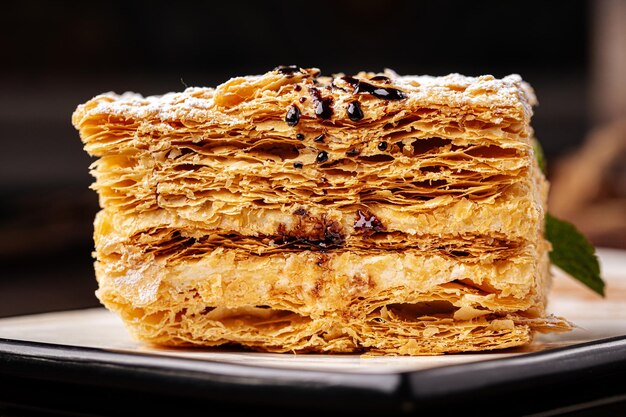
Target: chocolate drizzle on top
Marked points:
323	105
293	115
386	93
381	79
354	111
323	109
351	80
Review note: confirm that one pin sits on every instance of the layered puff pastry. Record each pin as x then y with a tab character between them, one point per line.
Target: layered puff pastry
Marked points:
291	212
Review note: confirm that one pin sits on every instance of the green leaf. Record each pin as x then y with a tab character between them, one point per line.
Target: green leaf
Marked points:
539	155
572	252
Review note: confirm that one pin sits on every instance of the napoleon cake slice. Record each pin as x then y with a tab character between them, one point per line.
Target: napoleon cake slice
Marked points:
291	212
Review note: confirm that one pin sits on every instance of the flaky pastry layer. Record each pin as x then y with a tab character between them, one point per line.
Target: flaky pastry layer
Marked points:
301	303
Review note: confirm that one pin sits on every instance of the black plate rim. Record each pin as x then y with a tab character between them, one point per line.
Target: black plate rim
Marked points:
562	372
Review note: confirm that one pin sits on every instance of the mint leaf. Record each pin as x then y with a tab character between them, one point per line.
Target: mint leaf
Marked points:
572	252
539	155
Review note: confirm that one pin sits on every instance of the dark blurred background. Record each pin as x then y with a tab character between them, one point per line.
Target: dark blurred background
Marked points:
57	55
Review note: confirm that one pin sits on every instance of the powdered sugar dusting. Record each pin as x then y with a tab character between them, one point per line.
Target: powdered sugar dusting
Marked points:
197	103
510	91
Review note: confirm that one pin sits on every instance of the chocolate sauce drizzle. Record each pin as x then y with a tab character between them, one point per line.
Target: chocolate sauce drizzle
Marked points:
381	79
386	93
351	80
354	111
323	105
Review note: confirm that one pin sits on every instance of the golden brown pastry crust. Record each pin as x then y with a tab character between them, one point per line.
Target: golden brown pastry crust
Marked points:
292	212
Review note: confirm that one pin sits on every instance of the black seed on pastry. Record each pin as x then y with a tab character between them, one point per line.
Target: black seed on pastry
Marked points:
302	99
287	69
300	136
354	111
319	139
382	146
322	157
297	87
293	115
353	152
297	165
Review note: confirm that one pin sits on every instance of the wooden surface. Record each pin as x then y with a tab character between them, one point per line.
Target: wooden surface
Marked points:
596	318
